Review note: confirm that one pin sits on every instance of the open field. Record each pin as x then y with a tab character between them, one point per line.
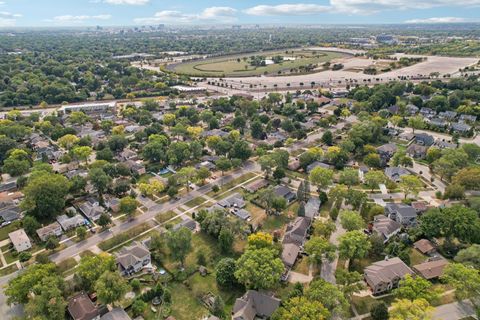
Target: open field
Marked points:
239	65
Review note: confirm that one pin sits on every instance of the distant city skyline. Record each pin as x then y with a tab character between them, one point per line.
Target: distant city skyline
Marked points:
52	13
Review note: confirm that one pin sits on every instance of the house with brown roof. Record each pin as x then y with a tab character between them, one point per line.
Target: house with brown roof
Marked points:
385	227
431	269
417	151
254	305
383	276
80	307
425	246
51	230
256	185
116	314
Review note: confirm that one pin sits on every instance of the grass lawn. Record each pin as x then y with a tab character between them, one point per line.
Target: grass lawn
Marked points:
8	270
10	257
195	202
274	222
4	231
232	183
122	237
364	304
302	265
66	265
86	253
360	264
165	216
258	214
416	257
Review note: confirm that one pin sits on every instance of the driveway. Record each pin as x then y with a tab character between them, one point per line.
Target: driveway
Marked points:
454	311
327	272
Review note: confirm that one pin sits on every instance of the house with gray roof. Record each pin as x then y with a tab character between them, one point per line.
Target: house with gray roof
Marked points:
402	213
80	307
461	127
91	208
468	118
116	314
438	123
241	213
233	201
383	276
312	207
417	151
395	173
297	231
131	259
254	305
51	230
315	164
68	223
187	223
285	192
290	252
424	139
385	227
20	240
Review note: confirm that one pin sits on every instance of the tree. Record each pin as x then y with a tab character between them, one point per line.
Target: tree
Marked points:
260	240
379	311
81	232
410	184
412	288
19	288
301	308
349	282
468	177
52	243
82	153
416	122
319	248
327	138
90	268
139	307
17	163
110	287
104	220
203	174
225	273
349	177
464	279
324	228
48	301
128	205
100	180
373	178
403	309
454	191
329	295
469	256
321	177
279	204
353	245
351	220
259	268
267	163
372	160
223	164
45	194
30	225
225	240
78	117
257	130
218	307
186	175
180	243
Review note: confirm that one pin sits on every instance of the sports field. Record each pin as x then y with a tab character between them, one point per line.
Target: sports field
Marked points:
294	62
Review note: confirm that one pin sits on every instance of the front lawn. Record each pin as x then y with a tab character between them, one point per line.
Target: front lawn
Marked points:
4	231
416	257
123	237
195	202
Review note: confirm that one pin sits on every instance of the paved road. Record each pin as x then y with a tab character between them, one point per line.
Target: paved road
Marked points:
329	267
6	311
454	311
148	215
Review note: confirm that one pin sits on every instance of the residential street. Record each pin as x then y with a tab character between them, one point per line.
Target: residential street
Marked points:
328	267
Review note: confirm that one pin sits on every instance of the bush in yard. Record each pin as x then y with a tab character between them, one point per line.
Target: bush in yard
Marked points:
138	307
215	188
379	311
135	284
24	256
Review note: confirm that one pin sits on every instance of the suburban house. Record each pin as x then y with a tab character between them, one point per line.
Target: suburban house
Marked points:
20	240
461	127
233	201
448	115
438	123
431	269
442	144
383	276
297	231
316	164
290	252
417	151
386	151
385	227
412	109
241	213
68	223
468	118
131	259
136	167
51	230
188	223
254	305
395	173
256	185
425	246
80	307
312	207
294	164
424	139
91	209
427	112
116	314
285	192
419	206
402	213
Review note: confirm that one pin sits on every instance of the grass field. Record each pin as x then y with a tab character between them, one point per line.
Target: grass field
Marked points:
239	66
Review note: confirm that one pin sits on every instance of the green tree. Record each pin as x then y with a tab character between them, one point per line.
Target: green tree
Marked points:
82	153
203	174
81	232
329	295
412	288
416	122
225	273
100	180
373	178
379	311
327	138
403	309
110	287
259	268
321	177
469	256
104	220
351	220
410	184
180	243
301	308
267	163
318	248
90	268
128	205
324	228
48	301
52	243
349	177
464	279
223	164
225	240
218	307
17	163
139	307
354	245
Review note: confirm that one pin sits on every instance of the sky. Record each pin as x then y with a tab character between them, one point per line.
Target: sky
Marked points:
58	13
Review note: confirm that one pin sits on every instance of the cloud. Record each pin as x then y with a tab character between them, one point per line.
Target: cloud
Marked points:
78	19
212	14
353	7
438	20
128	2
287	9
9	15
